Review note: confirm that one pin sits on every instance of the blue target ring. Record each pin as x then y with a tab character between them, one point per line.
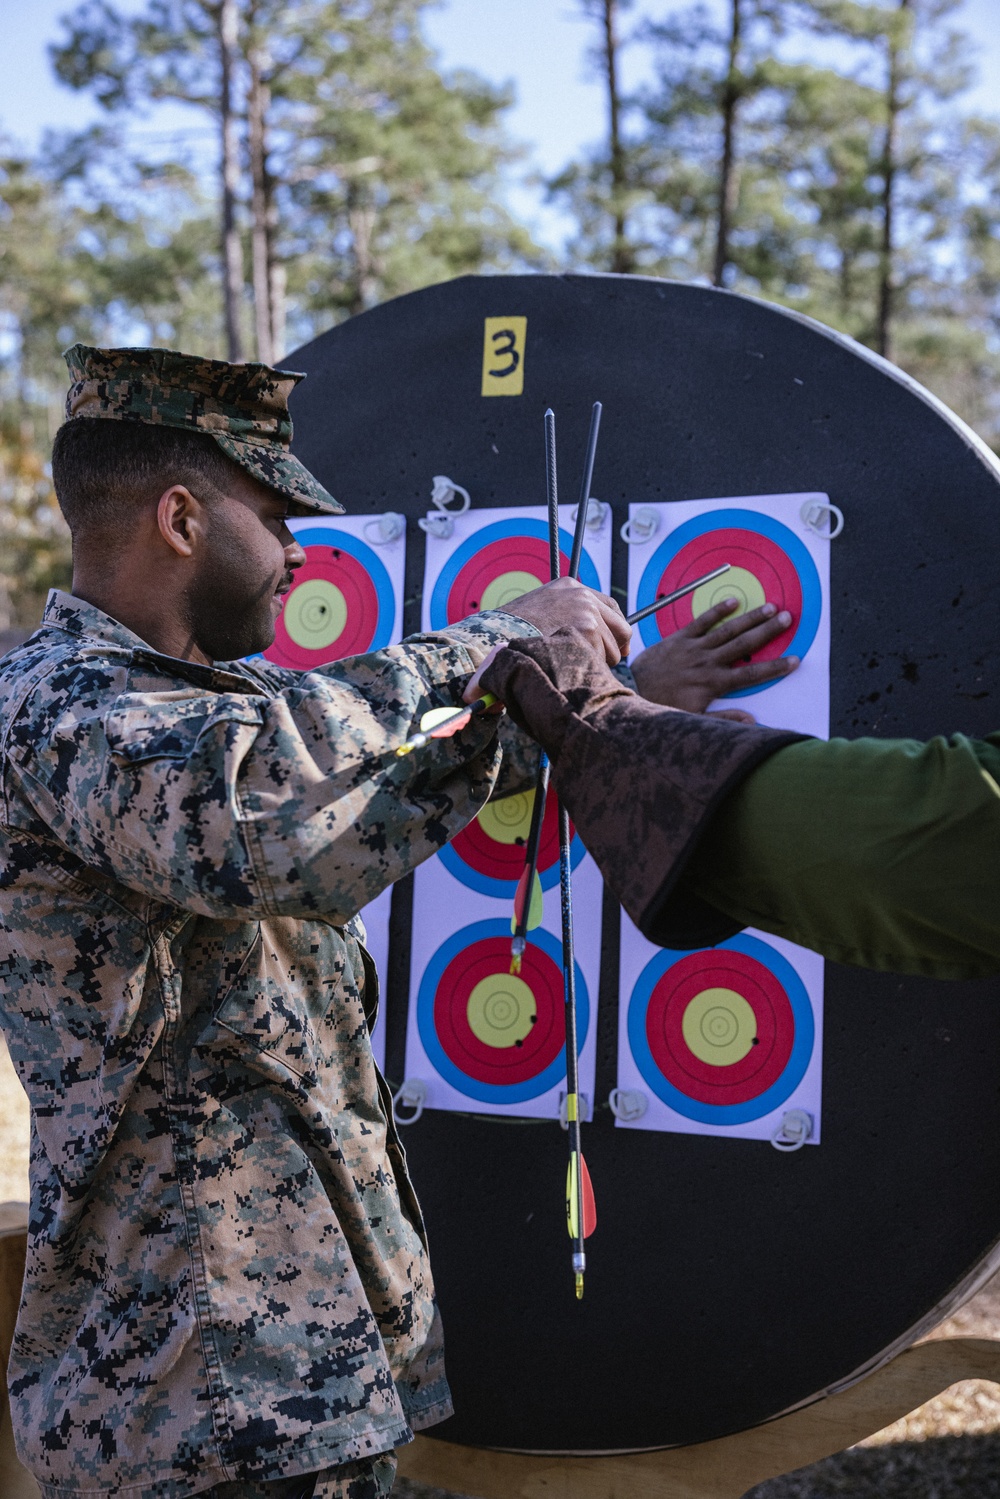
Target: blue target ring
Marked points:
504	889
775	532
373	565
498	531
337	565
496	933
794	1070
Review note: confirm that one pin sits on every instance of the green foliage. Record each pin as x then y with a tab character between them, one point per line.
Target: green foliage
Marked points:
380	175
855	190
383	172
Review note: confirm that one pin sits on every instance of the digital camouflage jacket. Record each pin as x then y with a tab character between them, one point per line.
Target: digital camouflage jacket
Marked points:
226	1269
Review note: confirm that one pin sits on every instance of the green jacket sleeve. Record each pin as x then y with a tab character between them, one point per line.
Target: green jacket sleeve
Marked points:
879	853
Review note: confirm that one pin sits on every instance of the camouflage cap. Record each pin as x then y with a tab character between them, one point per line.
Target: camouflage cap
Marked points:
244	407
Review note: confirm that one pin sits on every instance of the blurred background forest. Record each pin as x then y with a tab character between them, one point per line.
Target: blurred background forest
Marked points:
318	157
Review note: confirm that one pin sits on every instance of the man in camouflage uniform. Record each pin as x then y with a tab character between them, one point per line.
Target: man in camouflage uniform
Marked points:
227	1284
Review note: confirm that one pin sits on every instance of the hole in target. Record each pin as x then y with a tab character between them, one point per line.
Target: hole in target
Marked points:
341	603
768	564
724	1035
488	854
493	1036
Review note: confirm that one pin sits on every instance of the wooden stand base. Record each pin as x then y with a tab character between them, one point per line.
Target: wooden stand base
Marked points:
724	1469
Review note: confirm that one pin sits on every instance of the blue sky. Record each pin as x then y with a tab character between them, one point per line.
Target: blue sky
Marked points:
538	44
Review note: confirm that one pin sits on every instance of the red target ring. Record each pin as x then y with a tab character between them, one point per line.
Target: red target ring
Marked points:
720	988
331	611
488	856
749	554
514	556
476	999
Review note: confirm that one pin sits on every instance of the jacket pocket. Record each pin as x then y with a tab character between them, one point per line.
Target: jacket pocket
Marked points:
167	725
260	1011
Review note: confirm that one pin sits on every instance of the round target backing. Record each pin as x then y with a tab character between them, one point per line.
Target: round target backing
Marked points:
496	565
705	393
488	854
340	603
494	1036
768	564
724	1035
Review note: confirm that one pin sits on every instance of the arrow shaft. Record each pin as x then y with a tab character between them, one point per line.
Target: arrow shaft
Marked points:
584	505
575	1215
678	593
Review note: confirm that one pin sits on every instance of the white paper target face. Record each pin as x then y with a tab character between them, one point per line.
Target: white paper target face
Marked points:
774	557
727	1040
483	1040
491	557
722	1041
347	600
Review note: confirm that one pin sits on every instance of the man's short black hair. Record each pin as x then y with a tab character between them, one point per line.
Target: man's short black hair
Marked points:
103	471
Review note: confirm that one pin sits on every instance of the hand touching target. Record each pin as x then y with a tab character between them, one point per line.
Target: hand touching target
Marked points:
721	1036
341	602
488	855
497	1038
495	566
768	564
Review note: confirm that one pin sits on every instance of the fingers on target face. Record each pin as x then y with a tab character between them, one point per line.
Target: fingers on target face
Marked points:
768	565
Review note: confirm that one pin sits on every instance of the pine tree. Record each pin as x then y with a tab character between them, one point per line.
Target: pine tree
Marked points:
353	167
600	189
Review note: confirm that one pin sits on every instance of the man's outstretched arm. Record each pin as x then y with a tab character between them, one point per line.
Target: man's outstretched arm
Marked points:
879	853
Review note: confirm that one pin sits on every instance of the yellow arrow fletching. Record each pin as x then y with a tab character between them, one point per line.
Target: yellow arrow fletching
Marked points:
534	907
572	1198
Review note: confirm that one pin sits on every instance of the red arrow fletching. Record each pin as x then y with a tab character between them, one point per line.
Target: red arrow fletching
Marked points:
589	1205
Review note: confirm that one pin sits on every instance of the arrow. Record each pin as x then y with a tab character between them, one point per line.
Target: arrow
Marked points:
581	1213
442	723
678	593
519	939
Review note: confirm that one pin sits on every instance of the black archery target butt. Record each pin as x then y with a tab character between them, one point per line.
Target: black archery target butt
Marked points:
725	1281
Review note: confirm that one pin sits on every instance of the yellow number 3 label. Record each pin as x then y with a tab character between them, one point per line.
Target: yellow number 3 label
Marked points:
503	356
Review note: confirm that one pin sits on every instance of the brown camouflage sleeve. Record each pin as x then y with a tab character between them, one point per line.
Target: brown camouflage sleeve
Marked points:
236	804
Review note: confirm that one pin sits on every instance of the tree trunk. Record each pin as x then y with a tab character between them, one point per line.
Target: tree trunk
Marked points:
728	179
622	253
232	251
258	103
896	49
279	283
361	221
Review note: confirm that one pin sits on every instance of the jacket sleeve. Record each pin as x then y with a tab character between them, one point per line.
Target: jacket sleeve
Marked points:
640	781
877	852
233	804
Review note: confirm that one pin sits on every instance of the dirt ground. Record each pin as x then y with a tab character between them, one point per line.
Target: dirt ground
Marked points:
948	1449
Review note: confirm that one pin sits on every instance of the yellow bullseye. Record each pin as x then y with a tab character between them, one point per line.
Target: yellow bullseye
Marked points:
509	820
506	588
719	1027
315	614
737	584
501	1010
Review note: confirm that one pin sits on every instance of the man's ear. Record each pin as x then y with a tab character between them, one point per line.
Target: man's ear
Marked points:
180	518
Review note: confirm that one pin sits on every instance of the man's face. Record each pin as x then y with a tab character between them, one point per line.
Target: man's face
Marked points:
245	569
